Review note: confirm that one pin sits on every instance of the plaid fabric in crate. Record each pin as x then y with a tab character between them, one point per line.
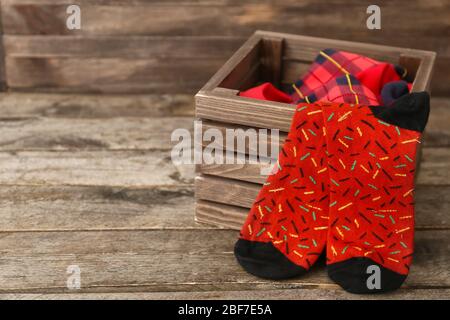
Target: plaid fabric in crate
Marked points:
343	89
331	77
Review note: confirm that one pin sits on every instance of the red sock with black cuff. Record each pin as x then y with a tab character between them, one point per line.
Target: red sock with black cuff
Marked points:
371	165
285	231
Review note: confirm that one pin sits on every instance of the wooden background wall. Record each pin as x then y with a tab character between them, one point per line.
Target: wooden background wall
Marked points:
131	46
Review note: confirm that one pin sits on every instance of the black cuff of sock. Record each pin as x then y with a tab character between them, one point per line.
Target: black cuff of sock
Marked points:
410	111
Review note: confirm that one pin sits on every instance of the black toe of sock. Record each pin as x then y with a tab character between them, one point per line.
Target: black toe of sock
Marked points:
363	275
265	261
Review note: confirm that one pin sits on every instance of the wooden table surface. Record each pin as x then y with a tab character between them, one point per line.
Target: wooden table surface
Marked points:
88	181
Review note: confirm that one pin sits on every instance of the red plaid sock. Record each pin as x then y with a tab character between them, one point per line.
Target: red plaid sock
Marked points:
344	89
371	166
330	65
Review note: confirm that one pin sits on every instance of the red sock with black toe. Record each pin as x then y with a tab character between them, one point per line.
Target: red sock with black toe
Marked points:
285	231
371	164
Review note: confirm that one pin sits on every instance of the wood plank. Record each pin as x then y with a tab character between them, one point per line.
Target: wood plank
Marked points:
94	106
170	260
424	73
242	64
433	169
244	52
110	75
2	57
141	47
224	17
254	140
437	132
232	200
244	111
130	47
285	294
89	134
93	168
69	208
441	77
219	215
272	55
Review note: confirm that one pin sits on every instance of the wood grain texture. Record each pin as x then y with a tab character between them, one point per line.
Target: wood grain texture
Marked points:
93	168
83	106
272	60
116	46
111	75
243	64
170	260
244	111
90	134
224	17
2	57
228	202
72	208
437	132
120	64
219	215
276	294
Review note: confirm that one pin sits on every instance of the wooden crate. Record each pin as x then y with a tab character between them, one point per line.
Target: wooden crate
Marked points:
224	193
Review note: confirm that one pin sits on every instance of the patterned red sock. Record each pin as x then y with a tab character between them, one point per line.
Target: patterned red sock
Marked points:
371	167
285	231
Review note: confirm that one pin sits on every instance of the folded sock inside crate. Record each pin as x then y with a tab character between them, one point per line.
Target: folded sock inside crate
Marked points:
340	76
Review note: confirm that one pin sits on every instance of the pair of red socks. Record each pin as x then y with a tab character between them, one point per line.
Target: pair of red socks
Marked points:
344	183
